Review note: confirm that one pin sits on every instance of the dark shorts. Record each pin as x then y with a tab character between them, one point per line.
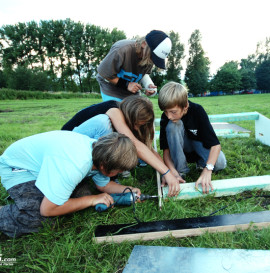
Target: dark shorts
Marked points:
23	216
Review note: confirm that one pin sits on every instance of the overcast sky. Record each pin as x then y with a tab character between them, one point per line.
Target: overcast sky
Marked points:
230	29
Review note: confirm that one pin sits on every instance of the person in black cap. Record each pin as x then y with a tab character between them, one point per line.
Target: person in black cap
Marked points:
125	69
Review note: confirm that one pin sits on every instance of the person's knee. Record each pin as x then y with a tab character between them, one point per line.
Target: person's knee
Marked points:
170	128
221	162
175	134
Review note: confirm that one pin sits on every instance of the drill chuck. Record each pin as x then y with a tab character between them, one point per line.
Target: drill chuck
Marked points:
147	197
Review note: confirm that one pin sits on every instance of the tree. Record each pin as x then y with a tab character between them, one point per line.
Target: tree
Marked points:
263	75
97	43
12	52
77	50
2	79
263	51
197	72
158	76
20	79
173	65
67	52
39	81
227	79
247	71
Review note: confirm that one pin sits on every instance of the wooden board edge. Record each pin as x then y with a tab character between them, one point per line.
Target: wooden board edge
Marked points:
178	233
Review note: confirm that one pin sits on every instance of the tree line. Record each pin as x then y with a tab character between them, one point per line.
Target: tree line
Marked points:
250	73
63	55
53	55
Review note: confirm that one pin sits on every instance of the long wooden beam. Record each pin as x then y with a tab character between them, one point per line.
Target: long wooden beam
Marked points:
227	117
181	227
158	178
223	187
234	117
262	129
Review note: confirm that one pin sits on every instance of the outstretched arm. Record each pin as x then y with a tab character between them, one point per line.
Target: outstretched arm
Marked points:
47	208
113	187
118	121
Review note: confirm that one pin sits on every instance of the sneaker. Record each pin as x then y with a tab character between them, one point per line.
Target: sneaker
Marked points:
125	174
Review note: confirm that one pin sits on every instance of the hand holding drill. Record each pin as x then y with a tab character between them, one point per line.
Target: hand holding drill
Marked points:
124	199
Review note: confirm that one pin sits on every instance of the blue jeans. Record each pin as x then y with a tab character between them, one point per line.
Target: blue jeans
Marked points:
107	97
184	150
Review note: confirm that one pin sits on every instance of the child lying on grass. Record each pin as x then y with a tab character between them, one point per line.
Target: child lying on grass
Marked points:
40	173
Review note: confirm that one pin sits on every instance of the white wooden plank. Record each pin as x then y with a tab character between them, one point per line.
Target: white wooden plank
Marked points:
223	187
227	117
158	178
262	129
234	117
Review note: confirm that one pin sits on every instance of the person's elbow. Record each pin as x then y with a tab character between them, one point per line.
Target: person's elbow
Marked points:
47	208
218	147
45	212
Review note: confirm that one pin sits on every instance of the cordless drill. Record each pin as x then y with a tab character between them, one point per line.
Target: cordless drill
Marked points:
124	199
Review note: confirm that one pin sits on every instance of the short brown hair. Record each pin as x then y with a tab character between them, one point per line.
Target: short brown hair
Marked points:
114	152
138	109
172	94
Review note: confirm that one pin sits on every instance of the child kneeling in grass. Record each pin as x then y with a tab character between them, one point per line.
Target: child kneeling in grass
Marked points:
40	173
186	135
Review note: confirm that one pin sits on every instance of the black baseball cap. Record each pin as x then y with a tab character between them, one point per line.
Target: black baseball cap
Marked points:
160	45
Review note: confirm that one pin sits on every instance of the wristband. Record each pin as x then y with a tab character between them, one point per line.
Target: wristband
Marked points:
165	173
122	83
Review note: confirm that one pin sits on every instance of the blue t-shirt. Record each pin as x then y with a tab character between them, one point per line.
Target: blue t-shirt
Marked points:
95	127
57	160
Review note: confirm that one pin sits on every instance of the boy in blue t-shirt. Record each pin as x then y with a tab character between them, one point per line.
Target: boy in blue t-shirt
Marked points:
40	173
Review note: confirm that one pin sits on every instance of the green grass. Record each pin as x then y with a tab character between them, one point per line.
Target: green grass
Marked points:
67	246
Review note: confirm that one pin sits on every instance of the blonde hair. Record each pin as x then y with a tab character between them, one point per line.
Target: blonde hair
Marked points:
172	94
114	152
138	109
145	54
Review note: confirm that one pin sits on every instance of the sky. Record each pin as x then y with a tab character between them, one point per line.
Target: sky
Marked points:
230	29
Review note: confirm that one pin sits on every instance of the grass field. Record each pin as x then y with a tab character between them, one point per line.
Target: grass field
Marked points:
68	245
